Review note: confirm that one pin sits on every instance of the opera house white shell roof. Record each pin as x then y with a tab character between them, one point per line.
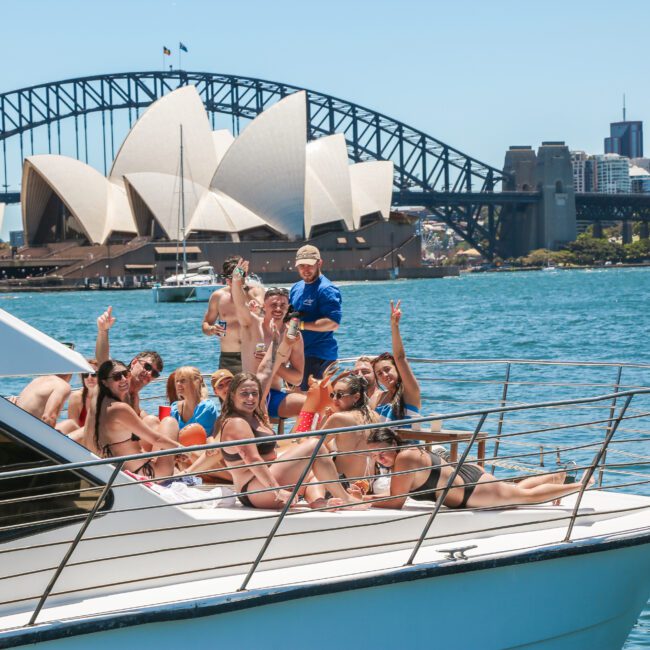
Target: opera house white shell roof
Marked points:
269	180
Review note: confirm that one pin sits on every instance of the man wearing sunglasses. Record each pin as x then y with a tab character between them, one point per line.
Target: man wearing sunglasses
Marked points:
319	304
221	320
145	366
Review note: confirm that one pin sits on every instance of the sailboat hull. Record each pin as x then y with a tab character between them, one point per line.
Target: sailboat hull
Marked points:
173	293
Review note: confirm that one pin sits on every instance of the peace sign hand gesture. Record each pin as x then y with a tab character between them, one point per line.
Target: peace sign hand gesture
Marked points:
395	312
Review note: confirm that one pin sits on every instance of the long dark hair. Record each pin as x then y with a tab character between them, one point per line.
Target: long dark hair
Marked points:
358	384
84	389
385	436
104	372
397	403
228	409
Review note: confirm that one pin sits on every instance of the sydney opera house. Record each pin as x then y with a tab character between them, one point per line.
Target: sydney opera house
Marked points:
261	195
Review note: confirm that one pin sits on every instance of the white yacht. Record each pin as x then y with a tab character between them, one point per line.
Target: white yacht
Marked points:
92	557
196	283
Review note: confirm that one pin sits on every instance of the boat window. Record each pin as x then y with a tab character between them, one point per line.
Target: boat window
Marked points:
44	500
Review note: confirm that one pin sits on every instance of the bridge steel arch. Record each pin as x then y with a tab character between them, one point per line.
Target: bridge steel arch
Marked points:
425	167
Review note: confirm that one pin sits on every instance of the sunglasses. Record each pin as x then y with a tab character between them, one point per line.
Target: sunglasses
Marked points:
85	375
120	374
337	394
150	369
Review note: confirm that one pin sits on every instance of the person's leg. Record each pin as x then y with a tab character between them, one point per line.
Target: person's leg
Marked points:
314	366
67	426
534	481
489	492
164	465
289	470
291	405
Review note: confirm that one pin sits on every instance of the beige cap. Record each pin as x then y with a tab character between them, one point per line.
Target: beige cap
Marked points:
307	255
219	375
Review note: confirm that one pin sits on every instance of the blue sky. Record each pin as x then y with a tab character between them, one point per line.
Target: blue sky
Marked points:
480	75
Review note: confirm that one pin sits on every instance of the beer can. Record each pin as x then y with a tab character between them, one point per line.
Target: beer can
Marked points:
294	324
260	347
224	325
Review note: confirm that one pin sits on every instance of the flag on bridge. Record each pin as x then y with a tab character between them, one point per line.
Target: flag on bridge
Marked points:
166	51
182	47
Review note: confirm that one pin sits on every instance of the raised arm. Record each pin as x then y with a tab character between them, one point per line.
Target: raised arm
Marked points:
277	354
409	382
239	298
102	347
293	371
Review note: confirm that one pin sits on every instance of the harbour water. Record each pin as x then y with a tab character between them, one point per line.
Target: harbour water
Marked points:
571	315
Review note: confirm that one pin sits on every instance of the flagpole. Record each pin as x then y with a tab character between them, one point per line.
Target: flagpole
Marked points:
179	58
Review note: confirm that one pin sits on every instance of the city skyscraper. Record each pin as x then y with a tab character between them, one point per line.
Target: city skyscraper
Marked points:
625	139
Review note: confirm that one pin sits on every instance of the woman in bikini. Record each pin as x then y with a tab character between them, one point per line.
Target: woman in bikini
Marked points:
350	407
113	428
400	398
426	475
79	402
242	419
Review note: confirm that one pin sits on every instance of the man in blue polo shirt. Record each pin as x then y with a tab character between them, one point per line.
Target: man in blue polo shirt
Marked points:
319	303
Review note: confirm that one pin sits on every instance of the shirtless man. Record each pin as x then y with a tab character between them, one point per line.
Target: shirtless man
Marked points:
221	308
256	327
45	396
144	367
363	367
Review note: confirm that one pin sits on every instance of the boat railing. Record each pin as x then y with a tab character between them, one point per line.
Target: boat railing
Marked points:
610	445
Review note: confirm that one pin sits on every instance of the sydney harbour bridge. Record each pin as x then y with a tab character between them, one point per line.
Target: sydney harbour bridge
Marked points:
485	205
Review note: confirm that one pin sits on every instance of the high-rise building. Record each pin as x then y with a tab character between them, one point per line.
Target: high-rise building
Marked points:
612	174
625	139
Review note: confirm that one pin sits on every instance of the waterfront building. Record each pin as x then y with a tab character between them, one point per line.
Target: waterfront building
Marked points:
608	173
644	163
639	180
612	174
582	171
625	139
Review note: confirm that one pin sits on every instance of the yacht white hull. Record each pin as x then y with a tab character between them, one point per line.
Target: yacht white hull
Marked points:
568	596
184	293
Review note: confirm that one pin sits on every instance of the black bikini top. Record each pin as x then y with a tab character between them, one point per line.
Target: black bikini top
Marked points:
107	451
263	448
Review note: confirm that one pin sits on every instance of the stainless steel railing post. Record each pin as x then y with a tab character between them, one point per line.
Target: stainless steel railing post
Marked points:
592	468
612	409
504	398
74	544
441	497
282	515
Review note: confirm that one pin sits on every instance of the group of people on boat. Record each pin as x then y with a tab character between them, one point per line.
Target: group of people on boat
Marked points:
277	360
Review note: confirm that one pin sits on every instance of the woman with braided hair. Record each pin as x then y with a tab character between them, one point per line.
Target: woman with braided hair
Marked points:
113	428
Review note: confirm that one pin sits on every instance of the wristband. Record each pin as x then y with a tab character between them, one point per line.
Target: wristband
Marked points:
305	421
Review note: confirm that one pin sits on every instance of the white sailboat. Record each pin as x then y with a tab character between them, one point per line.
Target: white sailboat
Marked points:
182	286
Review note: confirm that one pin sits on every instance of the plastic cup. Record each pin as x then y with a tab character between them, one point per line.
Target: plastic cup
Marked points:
164	412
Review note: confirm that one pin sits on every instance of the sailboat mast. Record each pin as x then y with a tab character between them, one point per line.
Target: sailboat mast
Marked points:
183	208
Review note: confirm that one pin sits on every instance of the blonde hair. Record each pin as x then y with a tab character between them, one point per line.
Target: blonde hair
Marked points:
195	378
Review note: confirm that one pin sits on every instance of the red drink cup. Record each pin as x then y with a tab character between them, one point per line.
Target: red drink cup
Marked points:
164	412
